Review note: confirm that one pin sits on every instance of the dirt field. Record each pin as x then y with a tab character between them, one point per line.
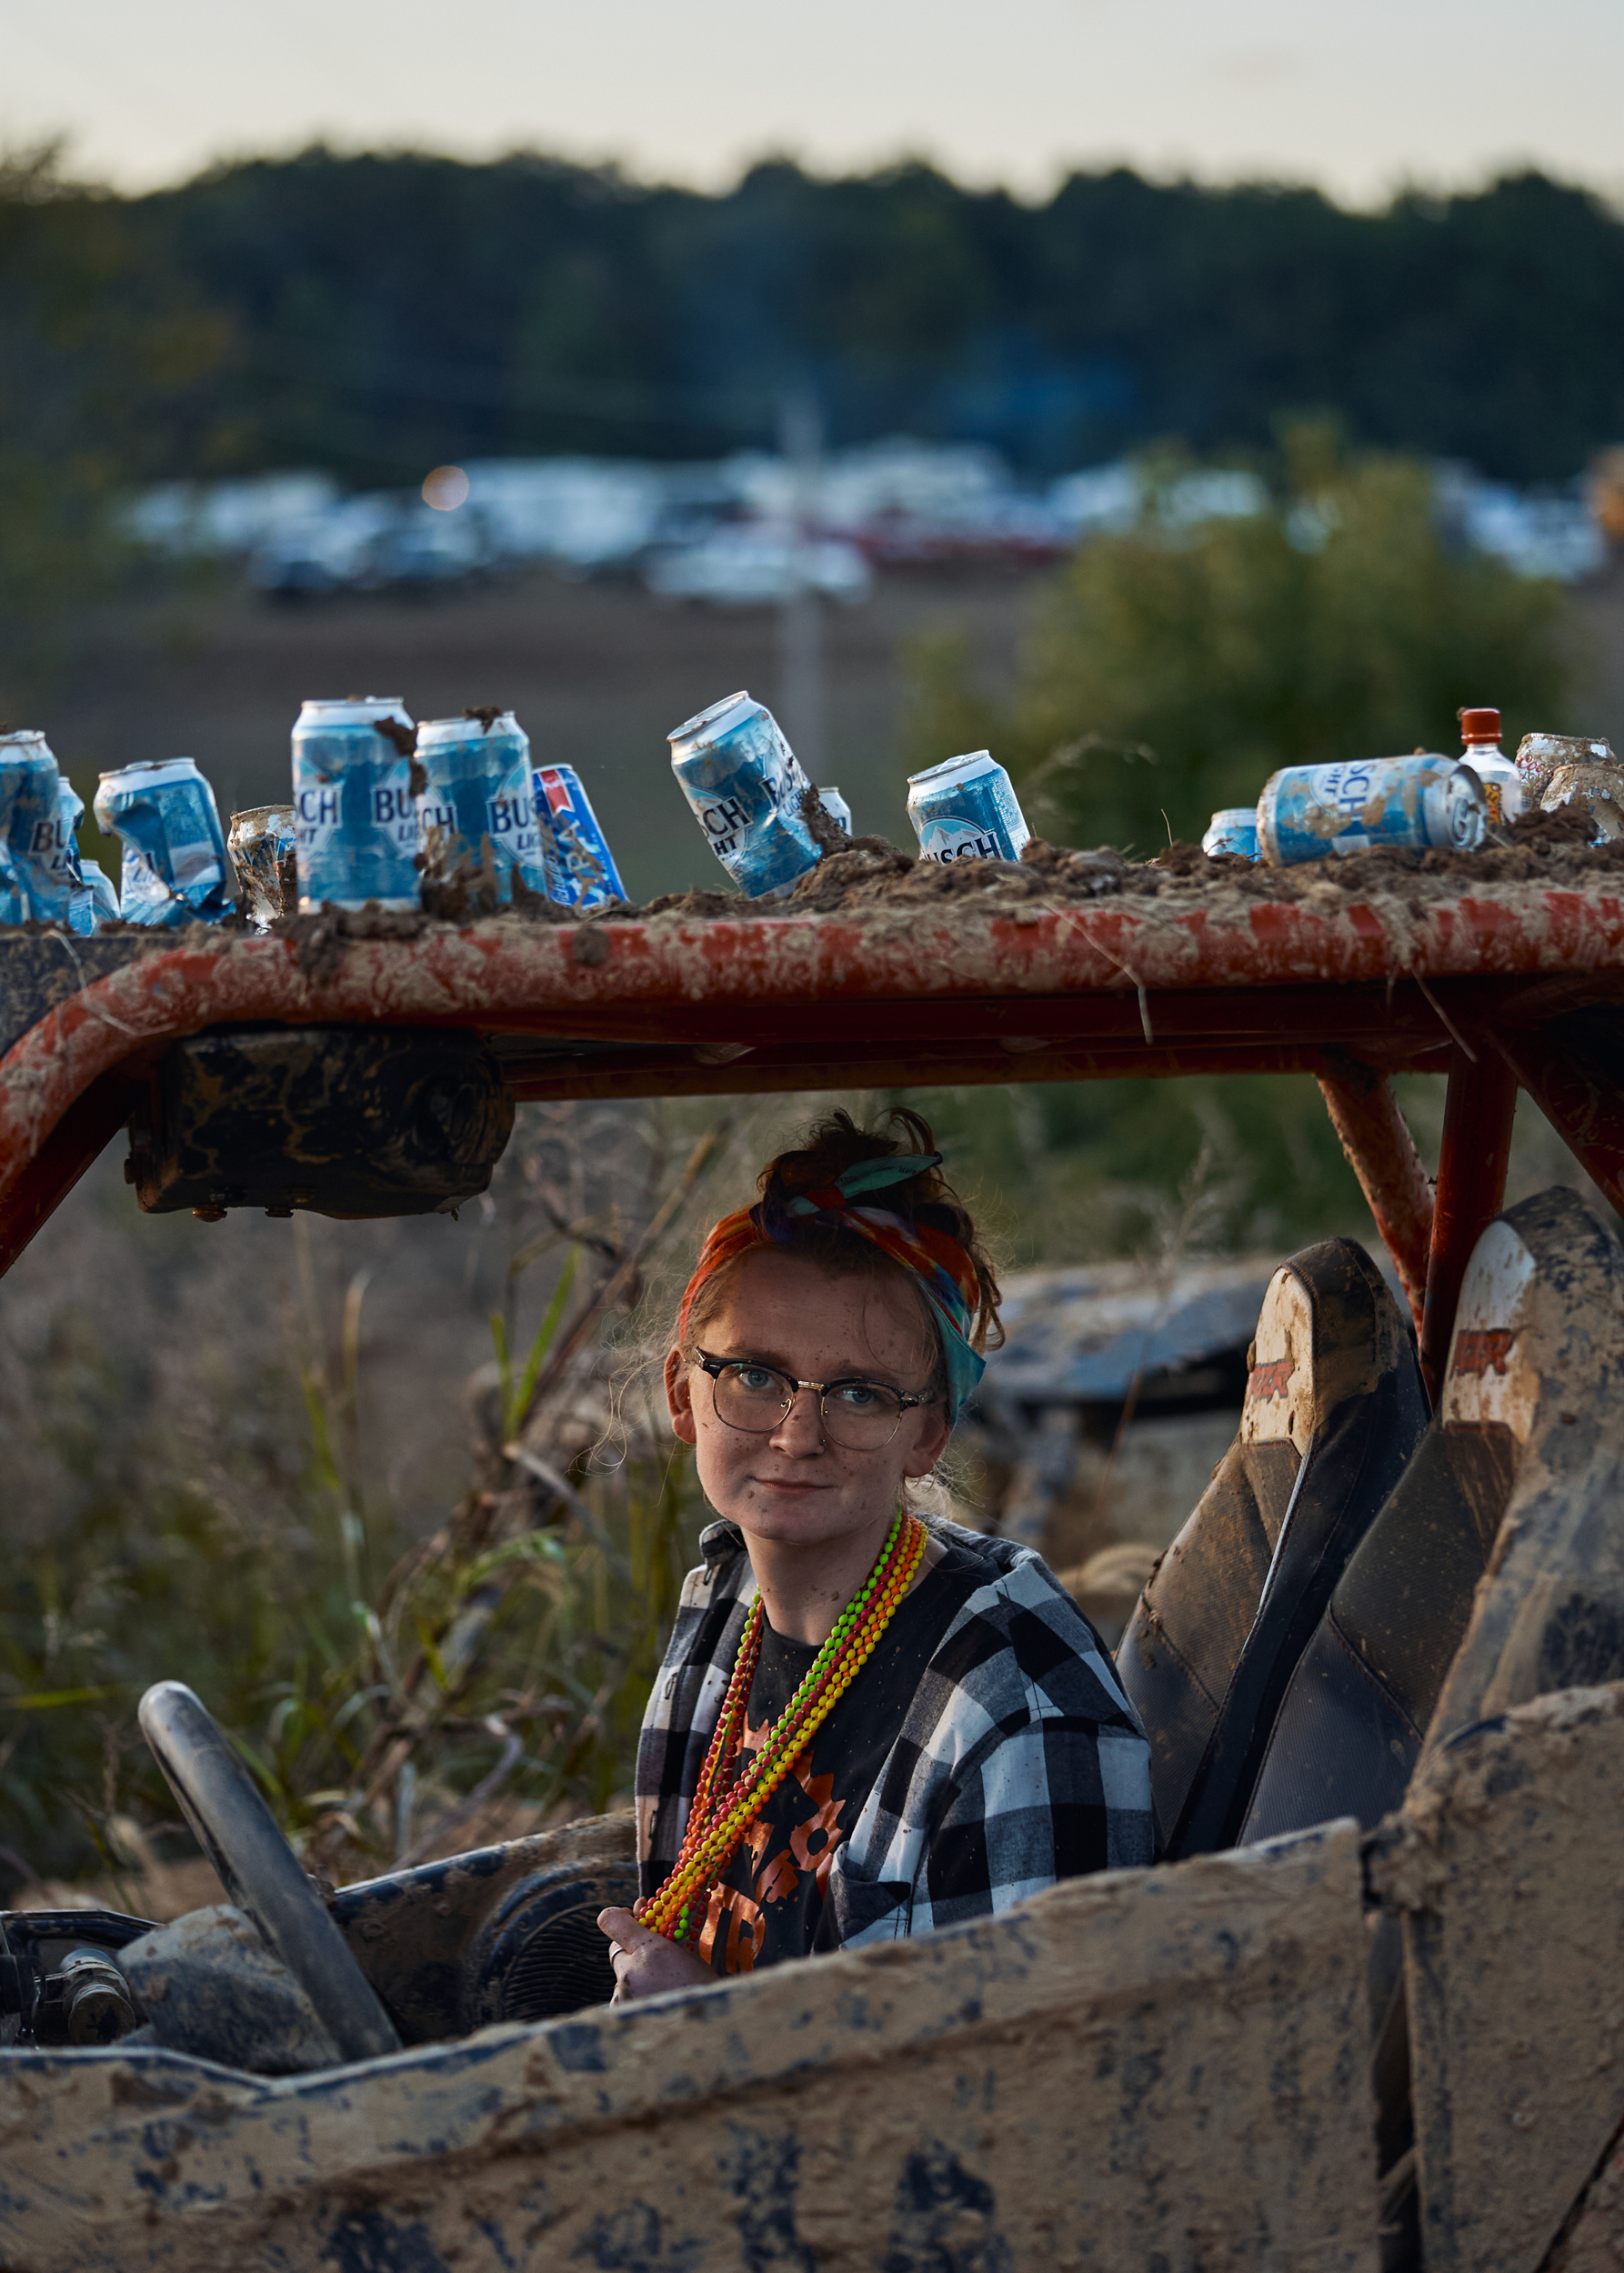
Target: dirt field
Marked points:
598	674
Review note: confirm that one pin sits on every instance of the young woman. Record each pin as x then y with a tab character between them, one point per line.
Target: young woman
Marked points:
867	1723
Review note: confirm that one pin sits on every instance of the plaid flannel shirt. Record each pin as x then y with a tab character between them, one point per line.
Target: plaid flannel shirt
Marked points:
1020	1760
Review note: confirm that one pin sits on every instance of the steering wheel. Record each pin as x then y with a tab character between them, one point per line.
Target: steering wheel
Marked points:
259	1871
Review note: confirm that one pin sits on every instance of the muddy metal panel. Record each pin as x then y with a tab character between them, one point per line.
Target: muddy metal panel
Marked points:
1162	2068
1508	1864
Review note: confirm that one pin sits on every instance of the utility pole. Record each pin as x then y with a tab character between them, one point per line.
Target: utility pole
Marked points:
800	619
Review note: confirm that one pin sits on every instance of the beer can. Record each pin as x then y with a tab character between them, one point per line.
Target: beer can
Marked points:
836	807
1598	789
580	870
478	801
746	786
356	803
103	897
1233	828
1539	755
261	842
175	866
30	826
966	809
1428	803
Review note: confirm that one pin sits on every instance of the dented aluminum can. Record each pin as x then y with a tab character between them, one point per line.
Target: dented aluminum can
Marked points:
175	863
836	807
1233	828
103	893
1597	789
1539	755
354	801
477	802
746	786
261	843
966	809
1425	804
30	825
579	867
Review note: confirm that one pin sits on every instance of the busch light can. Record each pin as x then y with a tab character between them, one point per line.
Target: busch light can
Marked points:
478	802
30	826
1232	829
355	803
175	866
580	870
746	787
836	807
103	898
966	809
261	845
1422	804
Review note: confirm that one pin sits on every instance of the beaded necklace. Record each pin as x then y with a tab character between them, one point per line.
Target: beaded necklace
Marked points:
723	1809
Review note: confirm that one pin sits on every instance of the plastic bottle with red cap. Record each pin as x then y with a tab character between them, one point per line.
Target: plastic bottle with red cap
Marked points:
1503	785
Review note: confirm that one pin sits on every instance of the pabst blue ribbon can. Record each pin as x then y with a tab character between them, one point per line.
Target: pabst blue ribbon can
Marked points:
356	803
579	866
175	866
1233	828
966	809
30	822
746	786
1425	804
478	794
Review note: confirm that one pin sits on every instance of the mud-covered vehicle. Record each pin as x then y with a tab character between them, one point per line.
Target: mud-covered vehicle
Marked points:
1370	2010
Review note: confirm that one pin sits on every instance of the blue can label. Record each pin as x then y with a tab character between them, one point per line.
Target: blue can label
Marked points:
39	811
580	867
966	809
354	813
1421	803
1233	829
174	864
744	785
479	793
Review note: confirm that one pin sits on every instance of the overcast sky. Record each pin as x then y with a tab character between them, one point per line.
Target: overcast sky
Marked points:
1359	97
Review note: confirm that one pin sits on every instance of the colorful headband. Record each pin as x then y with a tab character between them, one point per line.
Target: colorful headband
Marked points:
938	1261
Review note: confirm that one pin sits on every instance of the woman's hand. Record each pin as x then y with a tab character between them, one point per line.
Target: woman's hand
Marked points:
645	1962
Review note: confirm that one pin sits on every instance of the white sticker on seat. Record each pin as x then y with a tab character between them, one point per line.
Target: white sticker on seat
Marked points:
1491	1379
1279	1400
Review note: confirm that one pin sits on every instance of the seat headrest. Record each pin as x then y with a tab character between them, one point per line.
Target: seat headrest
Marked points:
1540	1318
1329	1330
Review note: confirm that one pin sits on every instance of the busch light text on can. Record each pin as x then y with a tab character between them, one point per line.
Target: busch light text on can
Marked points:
261	845
746	787
1421	803
579	866
175	869
30	825
356	803
836	807
1233	828
478	795
966	809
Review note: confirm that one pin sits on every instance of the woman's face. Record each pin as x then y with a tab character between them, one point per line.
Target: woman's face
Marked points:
790	1484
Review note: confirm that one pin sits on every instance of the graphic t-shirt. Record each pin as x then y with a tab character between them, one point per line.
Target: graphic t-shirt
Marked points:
769	1902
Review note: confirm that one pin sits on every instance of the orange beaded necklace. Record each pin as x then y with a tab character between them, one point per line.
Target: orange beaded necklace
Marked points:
723	1808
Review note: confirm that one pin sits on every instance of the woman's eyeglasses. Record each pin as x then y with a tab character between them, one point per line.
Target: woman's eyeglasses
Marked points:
859	1416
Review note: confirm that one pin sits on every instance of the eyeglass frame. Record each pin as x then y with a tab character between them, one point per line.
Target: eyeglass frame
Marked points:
714	1366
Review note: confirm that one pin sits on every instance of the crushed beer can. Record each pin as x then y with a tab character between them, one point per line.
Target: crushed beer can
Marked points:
175	869
1423	804
354	798
261	842
103	893
478	802
836	807
30	826
1597	789
966	809
1233	828
579	867
1539	755
746	786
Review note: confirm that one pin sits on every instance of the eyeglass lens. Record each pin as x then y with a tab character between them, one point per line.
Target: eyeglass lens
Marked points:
861	1415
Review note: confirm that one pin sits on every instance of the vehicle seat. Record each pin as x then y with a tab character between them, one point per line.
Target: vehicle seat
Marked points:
1528	1448
1333	1408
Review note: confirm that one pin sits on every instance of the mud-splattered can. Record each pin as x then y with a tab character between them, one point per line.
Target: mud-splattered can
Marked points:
580	870
1539	755
1233	828
478	802
966	809
355	800
1422	804
261	842
174	864
746	786
836	807
1597	789
30	810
